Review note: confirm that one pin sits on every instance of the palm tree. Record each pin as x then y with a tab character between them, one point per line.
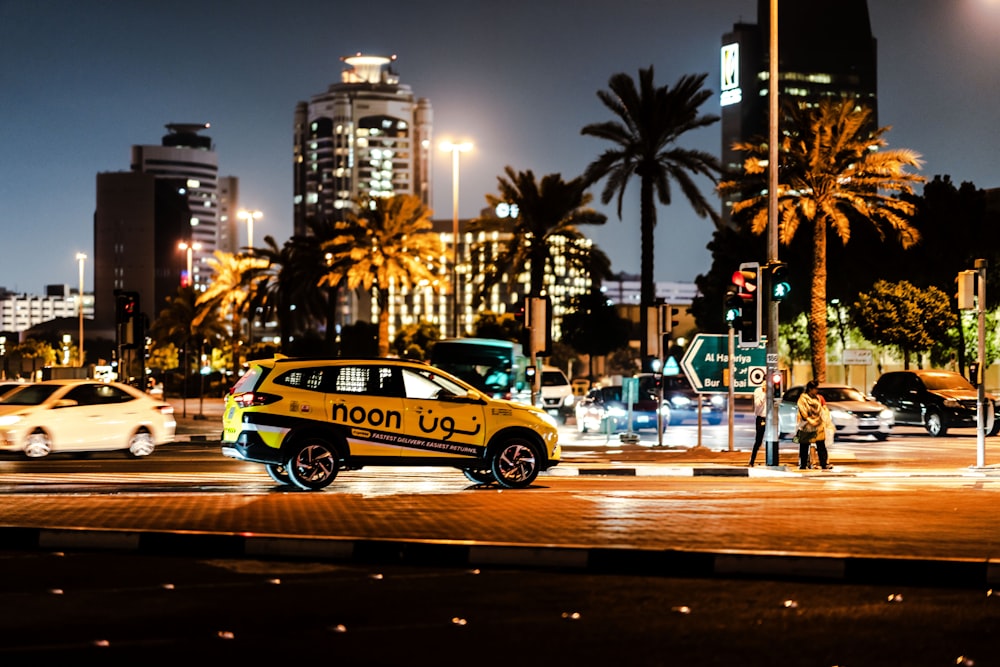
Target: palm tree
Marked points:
234	279
547	211
832	172
384	244
176	324
650	122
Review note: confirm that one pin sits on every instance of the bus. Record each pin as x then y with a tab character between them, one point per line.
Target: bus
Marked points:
495	367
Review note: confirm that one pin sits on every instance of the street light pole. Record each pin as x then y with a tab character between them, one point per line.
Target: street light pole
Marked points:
189	248
81	258
249	216
455	149
771	425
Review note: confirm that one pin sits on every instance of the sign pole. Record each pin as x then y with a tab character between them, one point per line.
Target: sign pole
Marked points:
771	427
981	369
730	383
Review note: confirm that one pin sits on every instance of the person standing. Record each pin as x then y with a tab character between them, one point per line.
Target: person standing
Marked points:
810	426
760	418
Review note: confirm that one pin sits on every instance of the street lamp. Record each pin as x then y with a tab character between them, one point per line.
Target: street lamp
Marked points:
454	149
81	258
249	216
190	248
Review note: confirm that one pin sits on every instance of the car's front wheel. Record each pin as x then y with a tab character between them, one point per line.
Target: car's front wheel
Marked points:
278	473
313	464
935	425
141	444
516	463
39	444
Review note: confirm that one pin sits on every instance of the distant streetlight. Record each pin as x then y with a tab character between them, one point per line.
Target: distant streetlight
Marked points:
190	248
81	258
249	216
454	149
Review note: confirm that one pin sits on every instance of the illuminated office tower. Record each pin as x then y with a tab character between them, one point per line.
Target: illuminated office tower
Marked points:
190	158
365	136
825	50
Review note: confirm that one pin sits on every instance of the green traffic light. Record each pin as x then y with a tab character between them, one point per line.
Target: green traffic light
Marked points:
780	287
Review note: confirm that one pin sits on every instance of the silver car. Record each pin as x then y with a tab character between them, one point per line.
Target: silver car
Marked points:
851	411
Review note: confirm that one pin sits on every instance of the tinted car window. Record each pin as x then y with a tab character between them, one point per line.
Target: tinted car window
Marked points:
98	394
835	394
304	378
30	395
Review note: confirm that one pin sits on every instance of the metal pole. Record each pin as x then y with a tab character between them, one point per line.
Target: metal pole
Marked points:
771	428
454	241
732	392
981	372
81	257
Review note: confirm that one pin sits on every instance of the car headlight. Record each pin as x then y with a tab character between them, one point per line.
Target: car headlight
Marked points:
839	414
568	401
951	403
616	412
680	401
10	420
717	401
886	415
548	419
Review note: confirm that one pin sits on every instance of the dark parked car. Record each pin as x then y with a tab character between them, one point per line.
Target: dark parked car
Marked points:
604	410
682	400
936	400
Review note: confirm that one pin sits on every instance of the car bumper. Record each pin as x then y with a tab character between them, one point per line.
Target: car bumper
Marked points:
250	447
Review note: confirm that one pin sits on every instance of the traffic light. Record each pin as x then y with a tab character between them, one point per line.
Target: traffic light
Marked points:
777	382
967	289
734	309
747	282
128	318
778	285
539	323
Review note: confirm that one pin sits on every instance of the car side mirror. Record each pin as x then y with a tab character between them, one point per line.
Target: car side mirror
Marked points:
65	403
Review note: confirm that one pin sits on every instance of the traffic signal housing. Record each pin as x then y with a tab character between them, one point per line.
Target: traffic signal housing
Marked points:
777	281
734	309
128	319
747	282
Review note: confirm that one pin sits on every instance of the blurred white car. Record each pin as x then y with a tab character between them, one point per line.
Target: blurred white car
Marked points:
851	411
83	416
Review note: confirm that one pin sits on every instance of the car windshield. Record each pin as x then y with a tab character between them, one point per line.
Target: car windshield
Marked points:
35	394
553	379
946	381
839	394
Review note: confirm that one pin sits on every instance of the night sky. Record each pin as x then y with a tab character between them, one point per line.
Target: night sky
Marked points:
81	81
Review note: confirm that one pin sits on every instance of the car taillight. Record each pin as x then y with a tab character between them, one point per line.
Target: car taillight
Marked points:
252	398
165	409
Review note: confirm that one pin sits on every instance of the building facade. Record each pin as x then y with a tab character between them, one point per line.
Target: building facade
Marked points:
188	157
20	312
839	60
367	135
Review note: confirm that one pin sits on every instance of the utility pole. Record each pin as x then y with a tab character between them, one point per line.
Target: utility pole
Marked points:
771	429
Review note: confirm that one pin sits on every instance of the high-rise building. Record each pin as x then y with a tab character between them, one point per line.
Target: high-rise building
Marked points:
229	201
365	136
837	60
189	157
137	224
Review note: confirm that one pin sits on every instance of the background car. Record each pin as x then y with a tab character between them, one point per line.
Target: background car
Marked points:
83	416
557	393
683	401
603	410
8	386
851	411
934	399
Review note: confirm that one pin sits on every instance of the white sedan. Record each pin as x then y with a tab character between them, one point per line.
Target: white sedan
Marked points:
83	416
851	411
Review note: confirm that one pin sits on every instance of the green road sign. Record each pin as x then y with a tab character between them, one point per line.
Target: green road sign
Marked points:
706	363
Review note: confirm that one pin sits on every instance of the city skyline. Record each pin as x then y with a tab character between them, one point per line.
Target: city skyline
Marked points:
84	81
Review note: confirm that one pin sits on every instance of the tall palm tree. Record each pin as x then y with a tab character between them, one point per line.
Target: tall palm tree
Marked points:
384	244
650	121
234	279
547	211
833	171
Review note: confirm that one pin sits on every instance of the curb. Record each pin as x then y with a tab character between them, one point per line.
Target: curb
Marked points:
923	572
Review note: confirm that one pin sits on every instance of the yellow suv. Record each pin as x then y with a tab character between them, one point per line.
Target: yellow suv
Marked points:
307	419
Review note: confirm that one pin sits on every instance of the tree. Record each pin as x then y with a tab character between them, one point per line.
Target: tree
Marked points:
593	327
903	316
650	122
234	278
180	326
278	289
384	245
833	172
547	211
415	341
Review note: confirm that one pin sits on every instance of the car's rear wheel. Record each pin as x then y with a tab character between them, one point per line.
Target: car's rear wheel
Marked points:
516	463
934	424
313	464
38	444
278	473
480	476
141	444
